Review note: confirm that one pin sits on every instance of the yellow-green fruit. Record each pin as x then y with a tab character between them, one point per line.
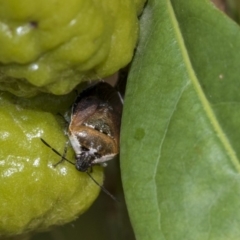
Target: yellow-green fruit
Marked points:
33	193
52	45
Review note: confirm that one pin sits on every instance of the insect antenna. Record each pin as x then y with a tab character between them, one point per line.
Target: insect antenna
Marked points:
54	150
64	158
102	188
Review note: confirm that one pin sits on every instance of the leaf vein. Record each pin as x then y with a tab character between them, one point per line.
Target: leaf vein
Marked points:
202	98
160	148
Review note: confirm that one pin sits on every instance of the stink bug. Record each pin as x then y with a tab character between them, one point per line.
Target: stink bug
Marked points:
95	125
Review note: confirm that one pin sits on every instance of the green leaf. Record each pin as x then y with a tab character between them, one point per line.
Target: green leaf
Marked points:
180	131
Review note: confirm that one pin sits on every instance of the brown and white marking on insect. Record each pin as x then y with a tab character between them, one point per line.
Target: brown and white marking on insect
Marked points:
94	128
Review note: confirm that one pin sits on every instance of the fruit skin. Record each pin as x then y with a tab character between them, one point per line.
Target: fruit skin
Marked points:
34	194
53	45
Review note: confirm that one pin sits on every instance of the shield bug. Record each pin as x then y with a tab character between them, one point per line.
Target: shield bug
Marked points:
94	128
95	125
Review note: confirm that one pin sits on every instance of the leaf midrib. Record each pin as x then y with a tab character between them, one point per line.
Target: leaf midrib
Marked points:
206	106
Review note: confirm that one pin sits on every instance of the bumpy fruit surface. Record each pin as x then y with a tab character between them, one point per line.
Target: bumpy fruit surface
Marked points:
33	193
52	45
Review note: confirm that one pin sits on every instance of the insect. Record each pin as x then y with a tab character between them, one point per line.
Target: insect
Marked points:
94	127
